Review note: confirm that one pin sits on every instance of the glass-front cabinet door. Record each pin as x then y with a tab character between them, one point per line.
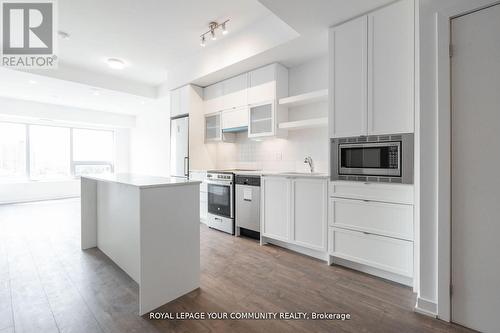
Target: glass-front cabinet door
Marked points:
213	130
261	119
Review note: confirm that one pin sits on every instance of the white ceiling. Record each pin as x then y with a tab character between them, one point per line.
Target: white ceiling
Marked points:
27	86
311	20
150	35
155	36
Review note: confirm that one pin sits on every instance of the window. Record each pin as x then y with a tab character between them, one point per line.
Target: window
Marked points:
49	152
12	151
92	151
39	152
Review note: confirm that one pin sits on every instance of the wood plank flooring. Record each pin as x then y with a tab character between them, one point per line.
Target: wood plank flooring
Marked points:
47	284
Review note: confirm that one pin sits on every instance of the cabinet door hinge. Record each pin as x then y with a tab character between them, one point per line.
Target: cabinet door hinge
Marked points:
451	290
451	50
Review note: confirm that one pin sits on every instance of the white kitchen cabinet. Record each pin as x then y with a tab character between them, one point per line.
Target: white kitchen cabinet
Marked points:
384	253
201	176
348	78
372	225
294	210
262	120
259	90
235	118
180	100
213	97
235	92
391	69
275	207
213	130
372	69
175	103
262	84
381	218
393	193
309	213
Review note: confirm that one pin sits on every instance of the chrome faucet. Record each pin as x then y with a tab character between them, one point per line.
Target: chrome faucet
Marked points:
309	161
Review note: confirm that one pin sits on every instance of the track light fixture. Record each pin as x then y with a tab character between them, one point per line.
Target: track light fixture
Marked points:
212	30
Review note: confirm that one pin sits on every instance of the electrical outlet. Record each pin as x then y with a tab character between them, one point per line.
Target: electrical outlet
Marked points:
278	156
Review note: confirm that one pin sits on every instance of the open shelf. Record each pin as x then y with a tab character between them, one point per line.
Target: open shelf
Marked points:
308	123
308	98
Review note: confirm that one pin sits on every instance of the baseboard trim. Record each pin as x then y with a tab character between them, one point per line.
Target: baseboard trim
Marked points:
297	248
404	280
58	197
426	307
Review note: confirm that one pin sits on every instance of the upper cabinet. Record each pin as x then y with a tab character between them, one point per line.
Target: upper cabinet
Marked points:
391	69
372	69
181	100
212	95
348	78
262	84
235	92
254	94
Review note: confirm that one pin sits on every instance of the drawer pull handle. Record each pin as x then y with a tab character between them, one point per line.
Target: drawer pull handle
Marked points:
366	233
366	200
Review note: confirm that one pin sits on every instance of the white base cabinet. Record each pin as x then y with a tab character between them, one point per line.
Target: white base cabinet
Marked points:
387	254
275	201
294	210
372	225
202	177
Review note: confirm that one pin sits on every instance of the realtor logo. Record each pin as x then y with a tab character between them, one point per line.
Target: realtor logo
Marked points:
28	34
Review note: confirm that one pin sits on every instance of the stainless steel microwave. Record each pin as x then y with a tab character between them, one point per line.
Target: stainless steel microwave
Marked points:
374	158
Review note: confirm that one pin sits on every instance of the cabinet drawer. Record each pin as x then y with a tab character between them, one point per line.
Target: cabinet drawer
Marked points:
394	220
388	254
396	193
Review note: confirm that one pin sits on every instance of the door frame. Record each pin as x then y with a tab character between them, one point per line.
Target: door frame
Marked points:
443	92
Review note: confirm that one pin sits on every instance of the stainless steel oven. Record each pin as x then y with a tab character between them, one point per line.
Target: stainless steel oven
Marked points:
379	158
220	190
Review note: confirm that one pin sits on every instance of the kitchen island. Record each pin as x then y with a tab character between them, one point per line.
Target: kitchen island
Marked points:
149	226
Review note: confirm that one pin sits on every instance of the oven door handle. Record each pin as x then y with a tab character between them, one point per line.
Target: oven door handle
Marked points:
219	182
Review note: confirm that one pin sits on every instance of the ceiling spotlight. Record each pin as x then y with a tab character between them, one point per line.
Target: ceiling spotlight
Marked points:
212	30
96	92
63	34
115	63
32	82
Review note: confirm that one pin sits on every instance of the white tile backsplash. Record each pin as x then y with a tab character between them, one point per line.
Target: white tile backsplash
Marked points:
277	154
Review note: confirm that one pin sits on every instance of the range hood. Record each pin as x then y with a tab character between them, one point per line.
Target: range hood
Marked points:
235	129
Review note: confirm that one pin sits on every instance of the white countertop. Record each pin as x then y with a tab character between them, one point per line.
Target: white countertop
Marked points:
274	173
282	173
142	181
296	174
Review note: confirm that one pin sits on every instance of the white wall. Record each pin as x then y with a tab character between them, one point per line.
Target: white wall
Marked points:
38	190
287	154
150	144
429	145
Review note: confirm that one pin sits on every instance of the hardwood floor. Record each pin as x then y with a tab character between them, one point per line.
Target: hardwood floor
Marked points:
47	284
